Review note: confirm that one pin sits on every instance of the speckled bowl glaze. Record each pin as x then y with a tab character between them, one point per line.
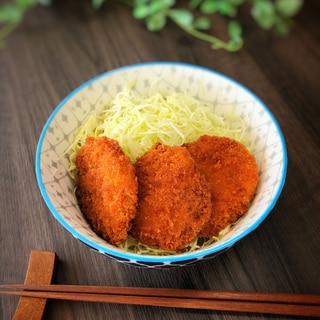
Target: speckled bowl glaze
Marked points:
223	94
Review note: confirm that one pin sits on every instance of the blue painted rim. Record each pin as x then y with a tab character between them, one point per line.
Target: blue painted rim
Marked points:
157	259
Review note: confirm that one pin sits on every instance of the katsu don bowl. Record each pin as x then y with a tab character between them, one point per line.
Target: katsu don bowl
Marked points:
237	113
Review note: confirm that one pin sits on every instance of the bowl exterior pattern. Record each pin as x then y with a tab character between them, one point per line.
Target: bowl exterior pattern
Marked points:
158	264
214	90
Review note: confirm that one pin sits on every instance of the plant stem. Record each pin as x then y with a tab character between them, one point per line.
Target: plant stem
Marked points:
216	43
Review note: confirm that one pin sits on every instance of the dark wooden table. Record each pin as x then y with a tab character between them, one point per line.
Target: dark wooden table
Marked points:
58	48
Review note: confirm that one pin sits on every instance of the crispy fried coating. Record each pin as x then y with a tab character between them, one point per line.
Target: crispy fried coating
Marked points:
107	188
174	198
232	173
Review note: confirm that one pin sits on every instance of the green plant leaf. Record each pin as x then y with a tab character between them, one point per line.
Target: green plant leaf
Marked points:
263	13
141	11
155	6
227	9
283	25
193	4
97	3
26	4
156	21
202	23
10	13
234	30
234	45
288	8
182	16
209	7
167	3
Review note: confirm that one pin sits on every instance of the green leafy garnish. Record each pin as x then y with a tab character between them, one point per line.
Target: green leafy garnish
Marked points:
276	14
195	18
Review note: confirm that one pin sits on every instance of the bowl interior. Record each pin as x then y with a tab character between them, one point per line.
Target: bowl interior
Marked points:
223	95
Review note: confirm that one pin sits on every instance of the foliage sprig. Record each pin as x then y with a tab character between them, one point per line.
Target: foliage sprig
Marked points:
195	19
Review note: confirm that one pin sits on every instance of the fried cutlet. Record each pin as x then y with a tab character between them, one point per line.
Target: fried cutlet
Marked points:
232	174
107	188
174	198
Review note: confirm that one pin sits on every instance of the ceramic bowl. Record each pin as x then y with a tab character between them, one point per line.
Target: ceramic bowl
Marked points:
224	95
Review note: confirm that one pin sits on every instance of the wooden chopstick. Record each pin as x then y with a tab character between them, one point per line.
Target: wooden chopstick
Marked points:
168	292
270	303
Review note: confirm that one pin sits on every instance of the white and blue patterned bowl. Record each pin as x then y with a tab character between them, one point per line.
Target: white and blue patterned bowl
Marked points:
223	94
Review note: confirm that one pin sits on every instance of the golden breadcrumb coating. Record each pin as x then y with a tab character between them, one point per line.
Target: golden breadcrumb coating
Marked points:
107	188
174	198
232	174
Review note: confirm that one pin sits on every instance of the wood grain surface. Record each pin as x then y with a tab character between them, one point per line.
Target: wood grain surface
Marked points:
58	48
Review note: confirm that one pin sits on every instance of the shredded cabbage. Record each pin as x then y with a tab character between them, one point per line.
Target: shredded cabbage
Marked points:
137	122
